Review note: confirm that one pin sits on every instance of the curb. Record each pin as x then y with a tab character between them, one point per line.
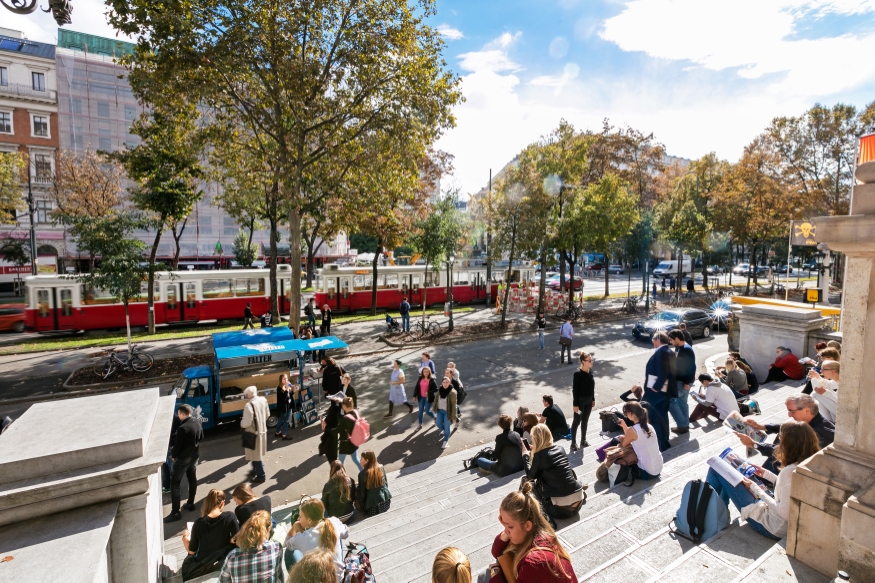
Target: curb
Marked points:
106	385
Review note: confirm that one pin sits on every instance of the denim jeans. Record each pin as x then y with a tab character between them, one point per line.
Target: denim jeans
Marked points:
680	407
541	337
405	322
740	496
485	463
424	408
658	416
443	422
355	459
258	468
284	422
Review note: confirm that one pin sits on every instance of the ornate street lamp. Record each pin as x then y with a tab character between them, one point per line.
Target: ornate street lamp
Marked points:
450	262
60	9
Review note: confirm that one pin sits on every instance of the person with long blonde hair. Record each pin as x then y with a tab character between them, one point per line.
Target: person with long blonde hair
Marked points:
313	531
315	567
548	467
256	558
209	541
338	494
373	487
450	566
527	549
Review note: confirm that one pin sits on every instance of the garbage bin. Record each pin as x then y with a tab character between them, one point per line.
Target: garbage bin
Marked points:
448	307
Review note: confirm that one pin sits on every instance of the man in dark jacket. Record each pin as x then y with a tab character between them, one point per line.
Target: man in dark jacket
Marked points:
583	392
660	386
688	338
800	407
247	316
541	322
404	310
554	418
685	376
185	455
508	451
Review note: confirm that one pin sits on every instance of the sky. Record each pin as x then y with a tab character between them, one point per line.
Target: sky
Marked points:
702	75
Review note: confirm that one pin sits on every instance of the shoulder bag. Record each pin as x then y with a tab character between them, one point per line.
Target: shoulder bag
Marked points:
248	438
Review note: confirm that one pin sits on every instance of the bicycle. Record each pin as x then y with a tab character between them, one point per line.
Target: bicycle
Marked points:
630	304
572	313
136	361
429	328
674	301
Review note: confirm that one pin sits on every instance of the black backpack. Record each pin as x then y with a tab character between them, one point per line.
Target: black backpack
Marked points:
486	452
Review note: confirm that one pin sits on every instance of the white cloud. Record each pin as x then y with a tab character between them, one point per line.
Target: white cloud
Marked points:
569	72
492	57
558	47
450	33
89	16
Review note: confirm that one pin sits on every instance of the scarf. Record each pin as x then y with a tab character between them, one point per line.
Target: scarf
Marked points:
444	393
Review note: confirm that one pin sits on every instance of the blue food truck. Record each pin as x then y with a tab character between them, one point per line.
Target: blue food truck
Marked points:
245	358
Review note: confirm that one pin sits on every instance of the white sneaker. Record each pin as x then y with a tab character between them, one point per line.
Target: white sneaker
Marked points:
444	446
420	425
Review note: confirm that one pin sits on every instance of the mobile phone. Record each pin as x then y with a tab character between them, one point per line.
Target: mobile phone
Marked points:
617	417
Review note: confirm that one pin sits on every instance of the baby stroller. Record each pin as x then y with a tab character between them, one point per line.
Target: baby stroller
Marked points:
392	325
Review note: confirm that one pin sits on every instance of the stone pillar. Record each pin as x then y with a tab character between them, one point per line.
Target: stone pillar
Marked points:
765	327
832	517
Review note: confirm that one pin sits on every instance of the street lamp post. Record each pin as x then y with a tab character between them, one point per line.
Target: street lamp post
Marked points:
450	262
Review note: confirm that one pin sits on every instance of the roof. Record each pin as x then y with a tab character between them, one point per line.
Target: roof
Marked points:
196	372
10	44
255	336
267	352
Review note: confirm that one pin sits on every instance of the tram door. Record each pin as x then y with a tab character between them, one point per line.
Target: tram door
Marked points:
190	309
46	317
416	289
283	299
64	309
173	307
331	286
344	297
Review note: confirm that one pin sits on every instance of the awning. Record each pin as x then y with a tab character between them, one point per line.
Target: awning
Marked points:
273	351
253	336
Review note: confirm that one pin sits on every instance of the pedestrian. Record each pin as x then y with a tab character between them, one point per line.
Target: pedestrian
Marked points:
453	375
184	455
332	376
326	320
685	376
345	425
566	333
654	291
427	362
247	316
671	283
285	407
690	287
167	466
541	322
688	338
425	389
583	392
310	312
663	287
660	386
255	414
444	407
348	390
256	558
404	309
397	393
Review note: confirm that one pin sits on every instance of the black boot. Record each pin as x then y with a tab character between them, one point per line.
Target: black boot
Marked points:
391	406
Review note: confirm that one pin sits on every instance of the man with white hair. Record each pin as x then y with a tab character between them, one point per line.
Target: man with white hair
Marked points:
255	415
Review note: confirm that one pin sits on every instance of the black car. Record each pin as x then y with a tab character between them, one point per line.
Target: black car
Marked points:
698	323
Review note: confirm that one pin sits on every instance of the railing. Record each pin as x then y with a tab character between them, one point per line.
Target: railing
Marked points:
28	91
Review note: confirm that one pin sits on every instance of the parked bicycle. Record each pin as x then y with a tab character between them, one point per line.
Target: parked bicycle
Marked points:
572	313
427	328
134	361
630	304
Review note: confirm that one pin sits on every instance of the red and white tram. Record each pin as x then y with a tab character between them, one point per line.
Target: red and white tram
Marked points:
347	289
62	303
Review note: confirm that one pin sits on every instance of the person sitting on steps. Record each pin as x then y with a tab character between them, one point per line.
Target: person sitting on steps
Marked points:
451	566
373	487
554	418
548	467
785	367
209	541
508	451
642	438
717	401
339	493
313	531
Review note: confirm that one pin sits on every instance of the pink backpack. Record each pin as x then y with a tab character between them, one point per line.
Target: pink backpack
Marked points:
361	430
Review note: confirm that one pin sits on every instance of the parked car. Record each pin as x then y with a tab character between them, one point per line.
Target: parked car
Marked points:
698	323
783	269
714	270
12	317
745	268
595	266
554	283
615	269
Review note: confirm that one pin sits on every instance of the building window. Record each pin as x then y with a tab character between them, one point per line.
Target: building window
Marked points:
105	144
4	76
5	122
39	81
76	106
102	109
130	112
42	167
43	211
41	126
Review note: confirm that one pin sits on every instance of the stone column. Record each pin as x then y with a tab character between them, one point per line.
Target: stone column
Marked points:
832	517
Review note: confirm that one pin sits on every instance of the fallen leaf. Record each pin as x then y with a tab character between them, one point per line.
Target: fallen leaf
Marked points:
6	559
788	572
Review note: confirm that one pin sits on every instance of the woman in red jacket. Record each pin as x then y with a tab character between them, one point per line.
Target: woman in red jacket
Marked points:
786	366
527	548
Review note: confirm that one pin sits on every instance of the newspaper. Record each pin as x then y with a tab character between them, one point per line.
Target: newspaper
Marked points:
726	470
735	422
732	467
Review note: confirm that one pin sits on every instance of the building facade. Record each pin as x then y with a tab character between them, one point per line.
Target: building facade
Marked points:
29	125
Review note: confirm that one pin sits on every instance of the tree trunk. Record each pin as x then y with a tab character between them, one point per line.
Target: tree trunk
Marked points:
607	277
128	325
507	278
562	270
272	217
424	291
249	241
176	238
149	294
374	278
311	258
572	261
295	253
749	269
704	270
542	285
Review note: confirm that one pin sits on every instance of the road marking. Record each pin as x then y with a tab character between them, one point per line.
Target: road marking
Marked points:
704	345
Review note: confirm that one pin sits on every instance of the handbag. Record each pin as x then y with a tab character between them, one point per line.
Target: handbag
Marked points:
622	456
248	438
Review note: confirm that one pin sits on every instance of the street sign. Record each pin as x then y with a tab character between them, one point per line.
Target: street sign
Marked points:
803	233
813	296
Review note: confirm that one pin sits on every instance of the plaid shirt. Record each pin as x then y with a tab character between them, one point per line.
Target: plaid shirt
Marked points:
262	566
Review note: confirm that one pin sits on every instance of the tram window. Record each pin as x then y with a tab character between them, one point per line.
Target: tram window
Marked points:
462	279
171	297
95	296
318	283
361	282
392	281
432	279
190	295
217	288
250	287
405	282
331	286
415	282
344	287
42	302
143	295
66	302
381	282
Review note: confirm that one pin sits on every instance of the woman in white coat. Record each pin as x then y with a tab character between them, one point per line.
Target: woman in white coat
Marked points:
255	415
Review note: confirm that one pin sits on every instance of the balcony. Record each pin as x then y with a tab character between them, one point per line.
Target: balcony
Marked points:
28	92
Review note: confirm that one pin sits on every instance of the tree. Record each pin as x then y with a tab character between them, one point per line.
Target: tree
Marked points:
121	272
165	169
363	243
245	251
12	173
306	79
86	184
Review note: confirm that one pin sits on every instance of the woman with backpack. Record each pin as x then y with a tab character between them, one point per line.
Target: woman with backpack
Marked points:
527	550
765	514
642	438
373	488
397	392
444	407
424	391
312	531
338	494
345	426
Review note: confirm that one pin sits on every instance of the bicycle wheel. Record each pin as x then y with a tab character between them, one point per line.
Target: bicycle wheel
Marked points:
141	362
107	369
434	328
420	329
98	368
